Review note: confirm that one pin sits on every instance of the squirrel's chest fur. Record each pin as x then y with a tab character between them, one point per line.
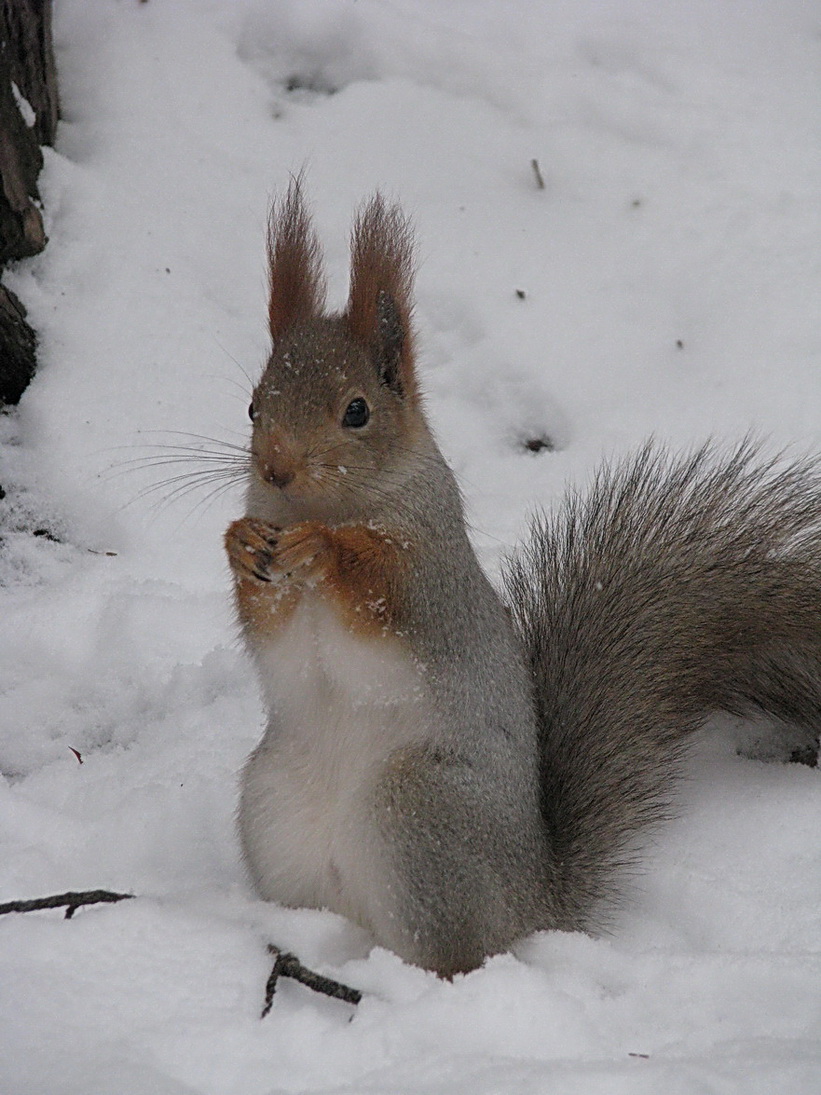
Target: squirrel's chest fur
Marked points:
339	705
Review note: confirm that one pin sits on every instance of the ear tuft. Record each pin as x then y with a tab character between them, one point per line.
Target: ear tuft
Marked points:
390	341
297	285
380	302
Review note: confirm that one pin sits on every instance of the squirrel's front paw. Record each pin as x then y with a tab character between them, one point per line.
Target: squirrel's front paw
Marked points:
266	553
252	547
301	546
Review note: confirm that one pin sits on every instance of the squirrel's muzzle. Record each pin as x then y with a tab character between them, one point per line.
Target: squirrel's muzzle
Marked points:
276	460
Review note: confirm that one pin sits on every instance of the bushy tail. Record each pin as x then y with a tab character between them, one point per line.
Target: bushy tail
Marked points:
673	589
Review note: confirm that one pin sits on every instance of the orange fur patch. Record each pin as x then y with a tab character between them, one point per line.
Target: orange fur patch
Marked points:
263	606
355	566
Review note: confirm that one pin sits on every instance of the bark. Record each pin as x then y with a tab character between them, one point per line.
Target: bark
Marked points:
28	118
27	28
18	345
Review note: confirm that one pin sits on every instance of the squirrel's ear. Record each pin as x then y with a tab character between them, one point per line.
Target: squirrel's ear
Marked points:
297	285
380	305
390	341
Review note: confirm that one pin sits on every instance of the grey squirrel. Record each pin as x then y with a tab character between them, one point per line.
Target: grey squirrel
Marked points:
449	768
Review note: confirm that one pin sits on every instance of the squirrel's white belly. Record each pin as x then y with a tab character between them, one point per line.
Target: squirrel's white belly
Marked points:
339	705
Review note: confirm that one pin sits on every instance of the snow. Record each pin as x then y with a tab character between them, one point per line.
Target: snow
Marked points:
672	276
24	106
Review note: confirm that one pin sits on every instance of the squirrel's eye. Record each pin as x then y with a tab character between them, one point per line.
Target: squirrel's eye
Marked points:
251	411
357	414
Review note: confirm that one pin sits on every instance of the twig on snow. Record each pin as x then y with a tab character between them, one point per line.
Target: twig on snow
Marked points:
71	900
288	965
285	965
537	171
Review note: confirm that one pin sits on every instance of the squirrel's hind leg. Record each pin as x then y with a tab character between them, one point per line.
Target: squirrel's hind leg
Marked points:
461	885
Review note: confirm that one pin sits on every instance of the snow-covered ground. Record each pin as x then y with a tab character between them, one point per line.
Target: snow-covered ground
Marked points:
671	271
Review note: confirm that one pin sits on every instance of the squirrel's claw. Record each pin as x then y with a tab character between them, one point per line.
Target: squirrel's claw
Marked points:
251	546
267	554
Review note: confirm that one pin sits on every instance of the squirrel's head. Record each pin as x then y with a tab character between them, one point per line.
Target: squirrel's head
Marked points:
336	415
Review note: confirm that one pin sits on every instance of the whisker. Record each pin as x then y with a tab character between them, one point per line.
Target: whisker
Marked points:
238	364
218	441
245	392
166	501
209	499
210	464
138	462
171	492
341	486
226	449
205	475
142	463
205	465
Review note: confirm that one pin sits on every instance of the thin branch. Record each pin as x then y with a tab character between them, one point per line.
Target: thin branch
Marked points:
71	901
537	172
285	965
288	965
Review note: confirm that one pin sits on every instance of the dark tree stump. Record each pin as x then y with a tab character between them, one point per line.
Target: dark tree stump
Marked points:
27	26
28	118
18	345
21	225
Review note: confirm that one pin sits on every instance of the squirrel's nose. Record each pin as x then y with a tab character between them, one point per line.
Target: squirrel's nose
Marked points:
277	469
277	459
280	477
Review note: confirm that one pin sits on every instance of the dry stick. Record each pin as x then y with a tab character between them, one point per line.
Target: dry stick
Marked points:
73	900
537	171
285	965
288	965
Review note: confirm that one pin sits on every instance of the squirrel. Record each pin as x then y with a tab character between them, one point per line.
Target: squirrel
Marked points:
450	768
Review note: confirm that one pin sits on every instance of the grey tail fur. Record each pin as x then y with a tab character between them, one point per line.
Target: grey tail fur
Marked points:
673	589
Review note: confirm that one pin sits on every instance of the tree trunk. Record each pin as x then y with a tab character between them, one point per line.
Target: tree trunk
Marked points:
18	345
28	118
